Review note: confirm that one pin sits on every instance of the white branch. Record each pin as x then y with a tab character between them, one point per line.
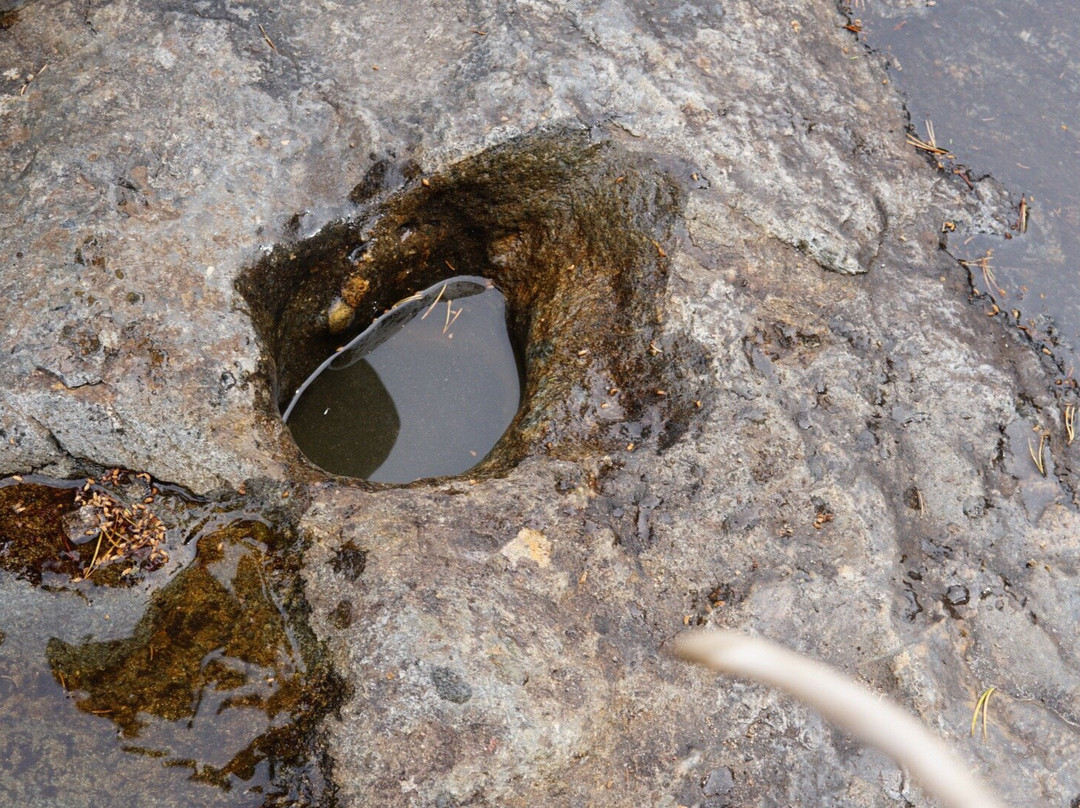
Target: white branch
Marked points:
869	717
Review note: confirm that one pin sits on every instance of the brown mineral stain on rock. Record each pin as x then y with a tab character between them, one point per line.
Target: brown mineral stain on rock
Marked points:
214	611
529	545
105	531
354	289
339	316
211	677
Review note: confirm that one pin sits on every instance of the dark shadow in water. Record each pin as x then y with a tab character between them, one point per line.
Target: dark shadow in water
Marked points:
346	421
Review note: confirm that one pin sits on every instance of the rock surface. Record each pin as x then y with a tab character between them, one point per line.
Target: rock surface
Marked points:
860	454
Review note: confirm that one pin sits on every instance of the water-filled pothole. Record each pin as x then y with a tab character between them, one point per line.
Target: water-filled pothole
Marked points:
436	382
573	231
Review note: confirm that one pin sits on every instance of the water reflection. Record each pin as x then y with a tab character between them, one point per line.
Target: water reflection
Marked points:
426	392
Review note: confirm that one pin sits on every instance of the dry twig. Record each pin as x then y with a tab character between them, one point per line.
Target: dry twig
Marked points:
866	715
987	272
434	303
269	41
983	706
930	144
1037	454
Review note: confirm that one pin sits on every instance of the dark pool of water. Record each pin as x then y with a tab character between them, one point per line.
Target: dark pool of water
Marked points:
999	81
427	392
172	681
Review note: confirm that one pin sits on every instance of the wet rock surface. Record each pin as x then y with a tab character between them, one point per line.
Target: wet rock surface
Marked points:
850	472
171	656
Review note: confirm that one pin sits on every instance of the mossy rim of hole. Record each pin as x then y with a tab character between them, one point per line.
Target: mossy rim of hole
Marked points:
569	225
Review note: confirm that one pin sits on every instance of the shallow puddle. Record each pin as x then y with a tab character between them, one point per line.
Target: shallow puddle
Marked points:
996	85
182	682
426	391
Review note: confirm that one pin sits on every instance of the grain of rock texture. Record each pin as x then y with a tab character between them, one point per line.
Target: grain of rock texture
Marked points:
861	448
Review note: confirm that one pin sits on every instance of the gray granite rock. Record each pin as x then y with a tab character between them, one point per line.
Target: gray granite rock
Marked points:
504	637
